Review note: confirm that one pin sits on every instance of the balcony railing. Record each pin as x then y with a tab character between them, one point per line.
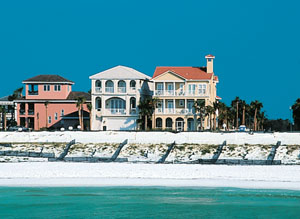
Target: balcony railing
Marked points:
117	111
98	90
175	111
30	112
122	89
22	111
133	111
33	92
109	89
178	93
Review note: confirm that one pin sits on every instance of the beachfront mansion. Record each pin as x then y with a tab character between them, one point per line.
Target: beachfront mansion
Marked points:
177	88
116	93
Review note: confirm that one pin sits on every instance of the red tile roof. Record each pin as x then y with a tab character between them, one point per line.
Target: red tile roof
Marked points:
189	73
218	98
209	56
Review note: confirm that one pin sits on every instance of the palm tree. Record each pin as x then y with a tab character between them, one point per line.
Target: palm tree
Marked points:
146	109
199	106
296	113
243	105
46	108
236	103
90	107
210	110
79	104
222	113
216	106
16	94
256	105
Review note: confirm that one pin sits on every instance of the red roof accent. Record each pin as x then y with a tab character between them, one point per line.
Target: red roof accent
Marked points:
189	73
216	78
219	98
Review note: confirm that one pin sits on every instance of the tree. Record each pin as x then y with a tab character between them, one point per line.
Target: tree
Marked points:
210	111
90	108
235	103
46	109
243	105
3	114
146	109
296	114
79	104
16	94
199	106
256	105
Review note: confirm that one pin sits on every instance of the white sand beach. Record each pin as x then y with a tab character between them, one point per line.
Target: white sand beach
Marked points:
128	174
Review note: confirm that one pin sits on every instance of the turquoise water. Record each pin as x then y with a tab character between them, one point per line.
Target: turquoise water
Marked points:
147	202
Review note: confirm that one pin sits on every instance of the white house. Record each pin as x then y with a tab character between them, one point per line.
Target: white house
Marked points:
116	93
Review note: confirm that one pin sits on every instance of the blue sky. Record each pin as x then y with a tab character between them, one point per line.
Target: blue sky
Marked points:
256	43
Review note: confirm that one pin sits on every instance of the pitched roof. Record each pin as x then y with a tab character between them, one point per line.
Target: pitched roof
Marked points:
48	78
120	72
189	73
75	94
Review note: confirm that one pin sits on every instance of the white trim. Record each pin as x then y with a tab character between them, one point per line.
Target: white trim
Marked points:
169	71
46	82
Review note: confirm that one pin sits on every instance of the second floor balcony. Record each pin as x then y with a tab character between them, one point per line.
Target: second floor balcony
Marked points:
109	90
33	92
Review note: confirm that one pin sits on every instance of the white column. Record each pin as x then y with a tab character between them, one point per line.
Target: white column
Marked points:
173	88
173	105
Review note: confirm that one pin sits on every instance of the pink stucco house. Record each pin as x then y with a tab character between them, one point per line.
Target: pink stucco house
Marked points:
49	102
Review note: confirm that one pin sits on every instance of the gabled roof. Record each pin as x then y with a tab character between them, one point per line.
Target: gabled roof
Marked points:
120	72
47	79
75	94
189	73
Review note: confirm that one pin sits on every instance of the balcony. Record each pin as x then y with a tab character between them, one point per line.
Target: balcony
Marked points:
116	111
175	111
30	112
22	111
122	89
33	92
109	90
133	111
179	93
98	90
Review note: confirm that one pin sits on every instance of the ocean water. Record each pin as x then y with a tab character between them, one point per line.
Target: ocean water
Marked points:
147	202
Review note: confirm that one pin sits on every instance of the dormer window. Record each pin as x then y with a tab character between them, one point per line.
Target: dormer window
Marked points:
56	87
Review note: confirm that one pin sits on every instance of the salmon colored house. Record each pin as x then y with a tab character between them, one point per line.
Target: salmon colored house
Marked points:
49	102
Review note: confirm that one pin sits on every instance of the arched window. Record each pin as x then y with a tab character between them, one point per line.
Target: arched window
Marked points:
109	86
169	123
98	86
121	86
132	84
132	103
158	123
116	105
98	103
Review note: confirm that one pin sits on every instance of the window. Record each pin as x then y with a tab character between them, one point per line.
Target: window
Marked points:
56	87
181	102
62	112
192	88
46	87
202	89
55	116
49	119
132	84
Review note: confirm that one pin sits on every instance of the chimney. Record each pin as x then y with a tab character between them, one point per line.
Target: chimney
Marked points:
210	63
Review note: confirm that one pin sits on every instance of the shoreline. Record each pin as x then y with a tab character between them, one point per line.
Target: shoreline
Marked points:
60	174
138	182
